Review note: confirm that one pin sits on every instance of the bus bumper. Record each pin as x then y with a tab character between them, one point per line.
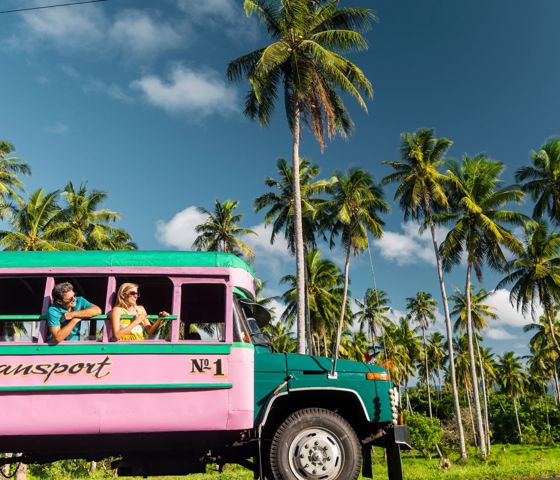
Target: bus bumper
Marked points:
396	437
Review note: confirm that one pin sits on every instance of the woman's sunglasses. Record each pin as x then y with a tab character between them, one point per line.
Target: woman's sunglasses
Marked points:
135	294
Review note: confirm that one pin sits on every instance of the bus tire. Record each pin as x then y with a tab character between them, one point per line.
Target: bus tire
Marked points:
315	443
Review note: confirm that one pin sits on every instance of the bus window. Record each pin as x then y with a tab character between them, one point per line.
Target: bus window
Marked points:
93	289
203	311
21	297
156	295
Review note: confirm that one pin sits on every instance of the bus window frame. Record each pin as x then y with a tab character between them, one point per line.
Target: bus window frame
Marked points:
228	319
177	281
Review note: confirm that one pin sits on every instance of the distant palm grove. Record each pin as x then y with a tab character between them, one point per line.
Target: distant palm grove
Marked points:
461	387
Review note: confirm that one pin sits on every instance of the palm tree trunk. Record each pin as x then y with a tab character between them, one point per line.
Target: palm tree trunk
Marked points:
310	345
484	397
449	329
550	318
300	258
517	419
427	373
469	403
474	376
556	387
342	310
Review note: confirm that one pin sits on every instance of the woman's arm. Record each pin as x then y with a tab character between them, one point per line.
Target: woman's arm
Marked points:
152	328
119	332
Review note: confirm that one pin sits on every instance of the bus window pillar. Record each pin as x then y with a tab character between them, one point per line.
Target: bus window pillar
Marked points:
43	325
176	324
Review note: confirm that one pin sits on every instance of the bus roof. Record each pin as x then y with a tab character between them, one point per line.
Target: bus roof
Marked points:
130	258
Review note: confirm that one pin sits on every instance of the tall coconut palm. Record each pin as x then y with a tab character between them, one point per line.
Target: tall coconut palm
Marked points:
542	180
422	311
354	345
324	291
535	274
479	313
280	204
11	168
436	355
543	348
281	337
37	225
421	191
479	231
86	225
353	211
220	231
512	378
373	313
305	60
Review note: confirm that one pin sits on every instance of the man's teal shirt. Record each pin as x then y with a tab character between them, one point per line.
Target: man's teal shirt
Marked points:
56	312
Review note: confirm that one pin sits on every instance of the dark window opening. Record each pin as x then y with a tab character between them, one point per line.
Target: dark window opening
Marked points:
93	289
156	295
203	311
21	296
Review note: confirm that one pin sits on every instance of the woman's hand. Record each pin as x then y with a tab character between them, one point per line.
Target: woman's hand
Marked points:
163	314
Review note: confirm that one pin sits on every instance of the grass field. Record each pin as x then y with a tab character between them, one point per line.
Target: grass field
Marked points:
507	462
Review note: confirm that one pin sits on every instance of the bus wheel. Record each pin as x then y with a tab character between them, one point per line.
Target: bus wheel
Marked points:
315	443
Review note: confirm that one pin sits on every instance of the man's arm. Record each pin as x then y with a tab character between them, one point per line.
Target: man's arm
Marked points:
60	333
85	313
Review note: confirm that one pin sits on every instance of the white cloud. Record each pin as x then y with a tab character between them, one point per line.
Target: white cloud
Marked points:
57	128
141	34
499	334
199	93
68	28
278	308
90	28
112	90
409	247
261	242
179	232
507	313
227	15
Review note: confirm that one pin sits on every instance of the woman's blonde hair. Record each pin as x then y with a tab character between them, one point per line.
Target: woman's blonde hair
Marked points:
120	301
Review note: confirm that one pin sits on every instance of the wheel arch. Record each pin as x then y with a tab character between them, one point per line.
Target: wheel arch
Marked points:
347	403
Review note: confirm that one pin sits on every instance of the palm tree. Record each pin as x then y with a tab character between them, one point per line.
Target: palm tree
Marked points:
479	313
512	378
404	339
220	231
543	180
280	202
281	337
478	231
543	348
536	274
86	225
10	170
353	211
305	59
421	192
435	349
37	225
373	313
324	290
421	309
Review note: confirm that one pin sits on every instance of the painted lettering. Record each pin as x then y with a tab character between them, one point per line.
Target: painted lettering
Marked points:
98	370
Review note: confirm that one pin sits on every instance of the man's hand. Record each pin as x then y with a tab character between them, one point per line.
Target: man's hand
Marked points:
69	316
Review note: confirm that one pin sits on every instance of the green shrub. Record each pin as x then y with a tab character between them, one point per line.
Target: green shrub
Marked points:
425	432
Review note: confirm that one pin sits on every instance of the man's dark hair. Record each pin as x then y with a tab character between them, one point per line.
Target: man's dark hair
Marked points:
60	289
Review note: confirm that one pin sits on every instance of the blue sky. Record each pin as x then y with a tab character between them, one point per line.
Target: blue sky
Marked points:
131	96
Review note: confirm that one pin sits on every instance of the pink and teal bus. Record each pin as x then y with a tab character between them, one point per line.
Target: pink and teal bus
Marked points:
208	388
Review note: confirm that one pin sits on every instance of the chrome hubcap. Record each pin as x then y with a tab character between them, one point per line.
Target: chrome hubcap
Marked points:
316	454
